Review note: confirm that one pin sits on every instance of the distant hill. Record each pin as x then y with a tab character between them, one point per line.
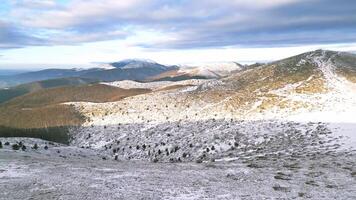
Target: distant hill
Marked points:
124	70
9	93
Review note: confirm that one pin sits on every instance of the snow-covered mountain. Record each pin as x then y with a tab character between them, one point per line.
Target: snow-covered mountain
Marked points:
309	88
313	82
131	69
308	94
211	70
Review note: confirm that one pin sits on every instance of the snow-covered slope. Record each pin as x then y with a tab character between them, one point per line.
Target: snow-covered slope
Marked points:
306	86
128	84
212	70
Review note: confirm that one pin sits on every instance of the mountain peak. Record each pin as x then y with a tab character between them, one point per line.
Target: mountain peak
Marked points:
137	63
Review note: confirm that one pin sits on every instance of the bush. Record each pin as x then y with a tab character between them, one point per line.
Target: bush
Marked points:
35	147
7	143
46	147
15	147
0	144
23	148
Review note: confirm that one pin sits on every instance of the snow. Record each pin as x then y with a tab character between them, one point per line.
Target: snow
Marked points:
107	66
129	84
215	69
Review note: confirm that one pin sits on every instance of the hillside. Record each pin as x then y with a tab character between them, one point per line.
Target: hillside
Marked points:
27	77
12	92
45	108
306	88
311	87
198	71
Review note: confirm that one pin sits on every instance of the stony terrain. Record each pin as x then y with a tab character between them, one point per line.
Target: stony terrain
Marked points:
312	166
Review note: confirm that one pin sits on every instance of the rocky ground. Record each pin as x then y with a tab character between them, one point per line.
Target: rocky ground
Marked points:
279	161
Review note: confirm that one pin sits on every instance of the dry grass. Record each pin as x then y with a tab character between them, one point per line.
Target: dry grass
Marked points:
44	108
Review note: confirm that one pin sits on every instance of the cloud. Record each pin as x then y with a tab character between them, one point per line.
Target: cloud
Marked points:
186	24
12	37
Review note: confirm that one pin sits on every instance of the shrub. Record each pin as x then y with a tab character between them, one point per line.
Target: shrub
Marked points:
46	147
35	147
7	143
23	148
15	147
0	144
212	148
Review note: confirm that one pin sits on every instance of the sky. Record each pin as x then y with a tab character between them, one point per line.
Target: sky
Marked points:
82	33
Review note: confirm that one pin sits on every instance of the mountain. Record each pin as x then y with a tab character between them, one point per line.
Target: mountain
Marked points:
124	70
12	92
199	71
138	70
296	98
13	80
308	88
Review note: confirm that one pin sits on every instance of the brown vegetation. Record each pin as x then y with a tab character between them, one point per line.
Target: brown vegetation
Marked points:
45	109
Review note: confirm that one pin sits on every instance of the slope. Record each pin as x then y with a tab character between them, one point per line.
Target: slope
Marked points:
9	93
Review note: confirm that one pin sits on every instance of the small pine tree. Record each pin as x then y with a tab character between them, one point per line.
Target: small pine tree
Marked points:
15	147
46	147
23	148
35	147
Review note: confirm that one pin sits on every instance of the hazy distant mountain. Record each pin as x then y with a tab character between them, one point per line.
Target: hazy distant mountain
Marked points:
12	80
199	71
124	70
138	70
